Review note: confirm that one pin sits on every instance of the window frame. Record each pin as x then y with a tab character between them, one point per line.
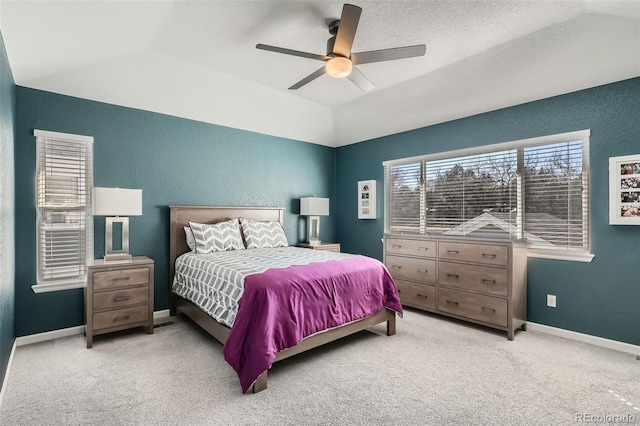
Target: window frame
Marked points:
519	145
47	284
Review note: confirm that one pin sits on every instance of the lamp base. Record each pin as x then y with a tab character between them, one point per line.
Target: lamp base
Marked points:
313	230
111	257
110	253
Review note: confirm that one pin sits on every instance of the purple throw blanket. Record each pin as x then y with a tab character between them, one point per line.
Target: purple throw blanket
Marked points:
280	307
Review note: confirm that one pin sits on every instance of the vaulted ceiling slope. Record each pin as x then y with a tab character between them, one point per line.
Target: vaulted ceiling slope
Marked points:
197	59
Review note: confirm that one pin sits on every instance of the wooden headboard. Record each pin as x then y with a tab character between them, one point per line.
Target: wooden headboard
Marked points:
179	217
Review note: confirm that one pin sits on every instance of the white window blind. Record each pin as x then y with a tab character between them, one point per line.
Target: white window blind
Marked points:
64	221
537	189
556	188
464	193
406	198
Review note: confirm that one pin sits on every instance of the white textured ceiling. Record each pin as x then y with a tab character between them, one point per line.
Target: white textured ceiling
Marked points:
197	59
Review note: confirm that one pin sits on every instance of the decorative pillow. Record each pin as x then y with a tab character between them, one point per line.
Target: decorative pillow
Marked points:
220	236
189	236
263	234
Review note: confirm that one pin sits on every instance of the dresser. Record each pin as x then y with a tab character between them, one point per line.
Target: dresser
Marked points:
335	247
118	296
483	281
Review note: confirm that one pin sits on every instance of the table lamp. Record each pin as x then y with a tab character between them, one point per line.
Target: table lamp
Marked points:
314	208
118	204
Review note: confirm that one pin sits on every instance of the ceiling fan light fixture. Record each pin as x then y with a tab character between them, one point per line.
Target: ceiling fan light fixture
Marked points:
338	67
340	59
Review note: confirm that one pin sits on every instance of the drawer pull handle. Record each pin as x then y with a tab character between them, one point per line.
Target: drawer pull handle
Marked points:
453	275
121	318
122	279
423	248
484	308
396	267
120	298
452	251
423	295
452	302
489	254
396	246
484	280
424	271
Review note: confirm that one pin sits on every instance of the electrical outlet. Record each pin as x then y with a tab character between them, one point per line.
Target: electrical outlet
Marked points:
551	300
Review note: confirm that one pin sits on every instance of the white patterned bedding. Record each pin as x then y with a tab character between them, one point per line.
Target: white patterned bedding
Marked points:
215	281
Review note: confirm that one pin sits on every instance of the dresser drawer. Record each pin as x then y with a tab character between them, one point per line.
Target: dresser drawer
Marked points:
120	317
410	247
484	279
422	270
488	309
479	253
120	278
119	298
417	295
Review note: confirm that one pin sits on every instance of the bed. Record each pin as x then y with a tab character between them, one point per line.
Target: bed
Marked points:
180	216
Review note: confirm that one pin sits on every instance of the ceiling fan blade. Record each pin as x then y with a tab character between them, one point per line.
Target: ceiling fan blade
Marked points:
360	80
291	52
308	79
388	54
347	30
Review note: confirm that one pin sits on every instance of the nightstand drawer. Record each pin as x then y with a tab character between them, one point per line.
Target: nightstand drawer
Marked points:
120	317
417	295
488	309
119	298
120	278
484	279
410	247
409	268
478	253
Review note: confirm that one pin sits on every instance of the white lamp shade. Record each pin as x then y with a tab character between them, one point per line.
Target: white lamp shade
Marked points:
117	202
311	206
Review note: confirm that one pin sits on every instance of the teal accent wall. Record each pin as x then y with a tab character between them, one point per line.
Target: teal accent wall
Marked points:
7	258
601	298
174	161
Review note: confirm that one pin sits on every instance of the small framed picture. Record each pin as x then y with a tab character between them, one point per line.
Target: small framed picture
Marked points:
367	199
624	190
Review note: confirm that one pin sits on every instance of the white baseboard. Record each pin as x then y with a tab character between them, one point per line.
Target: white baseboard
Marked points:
158	315
585	338
6	375
161	314
71	331
49	335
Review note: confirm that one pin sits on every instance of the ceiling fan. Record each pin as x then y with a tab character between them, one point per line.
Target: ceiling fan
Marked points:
339	60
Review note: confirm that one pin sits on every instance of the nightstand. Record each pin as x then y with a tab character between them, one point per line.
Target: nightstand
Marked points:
118	296
335	247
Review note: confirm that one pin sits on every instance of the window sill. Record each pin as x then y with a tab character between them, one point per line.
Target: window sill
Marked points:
560	255
62	285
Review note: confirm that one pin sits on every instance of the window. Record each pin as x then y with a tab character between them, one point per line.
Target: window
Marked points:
63	201
536	189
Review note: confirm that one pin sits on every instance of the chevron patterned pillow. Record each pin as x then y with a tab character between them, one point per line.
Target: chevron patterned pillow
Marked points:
189	237
263	234
220	236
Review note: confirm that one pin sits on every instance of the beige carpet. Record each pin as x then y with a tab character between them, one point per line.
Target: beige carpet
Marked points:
434	371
